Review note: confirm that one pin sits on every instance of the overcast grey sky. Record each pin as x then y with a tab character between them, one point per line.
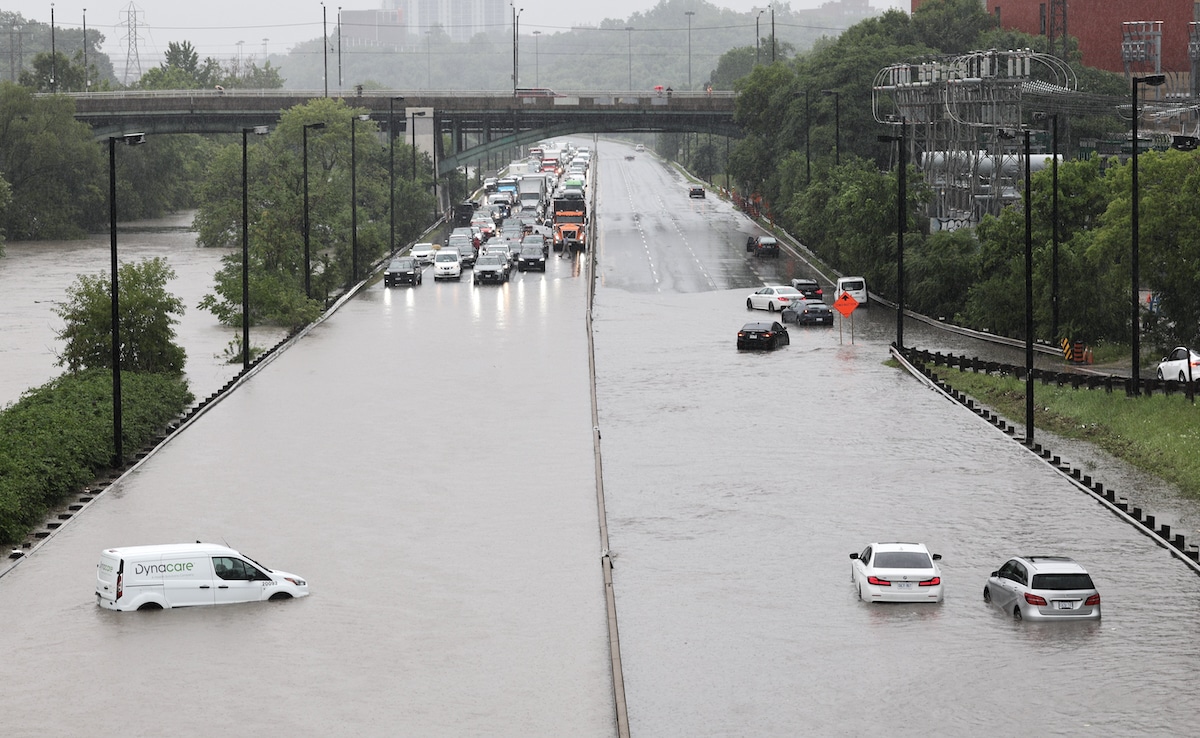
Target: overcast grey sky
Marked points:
215	27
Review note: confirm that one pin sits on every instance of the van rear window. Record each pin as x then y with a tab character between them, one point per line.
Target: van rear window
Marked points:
854	285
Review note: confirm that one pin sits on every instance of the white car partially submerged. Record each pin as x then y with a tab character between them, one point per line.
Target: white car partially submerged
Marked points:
896	572
187	575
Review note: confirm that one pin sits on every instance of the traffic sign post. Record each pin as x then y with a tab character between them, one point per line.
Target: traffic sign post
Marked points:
846	305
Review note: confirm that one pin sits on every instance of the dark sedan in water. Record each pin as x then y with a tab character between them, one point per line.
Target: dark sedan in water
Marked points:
762	336
807	312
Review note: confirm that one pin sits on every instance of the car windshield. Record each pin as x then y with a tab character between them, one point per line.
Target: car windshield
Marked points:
402	264
446	256
1062	581
902	560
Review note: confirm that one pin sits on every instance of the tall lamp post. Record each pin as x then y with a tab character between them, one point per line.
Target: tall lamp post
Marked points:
689	14
516	51
87	83
53	54
257	131
307	260
629	37
1028	296
537	73
901	224
837	125
392	172
1153	80
354	196
129	139
325	46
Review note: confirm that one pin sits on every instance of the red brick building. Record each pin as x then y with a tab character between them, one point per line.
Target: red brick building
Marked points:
1098	24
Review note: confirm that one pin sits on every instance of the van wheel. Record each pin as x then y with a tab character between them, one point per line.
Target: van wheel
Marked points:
279	596
150	606
987	595
1017	613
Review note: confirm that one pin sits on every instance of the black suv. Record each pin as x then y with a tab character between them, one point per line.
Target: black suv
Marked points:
402	270
696	192
763	245
808	287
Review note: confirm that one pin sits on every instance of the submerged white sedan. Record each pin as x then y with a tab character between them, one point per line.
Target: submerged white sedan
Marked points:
896	572
774	297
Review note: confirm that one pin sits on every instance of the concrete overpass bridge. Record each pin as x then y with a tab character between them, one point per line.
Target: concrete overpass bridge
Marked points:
482	126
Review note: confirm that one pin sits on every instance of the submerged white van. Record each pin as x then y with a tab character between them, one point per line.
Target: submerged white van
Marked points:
856	286
185	575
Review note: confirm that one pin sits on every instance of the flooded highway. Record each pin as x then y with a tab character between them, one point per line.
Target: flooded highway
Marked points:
424	459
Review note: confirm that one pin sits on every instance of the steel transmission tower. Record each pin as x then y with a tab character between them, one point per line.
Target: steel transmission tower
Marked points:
134	18
1058	28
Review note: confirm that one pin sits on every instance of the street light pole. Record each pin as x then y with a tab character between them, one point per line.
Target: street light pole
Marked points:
1028	296
258	131
689	14
129	139
307	261
629	36
354	196
87	83
53	54
901	225
807	139
837	125
339	37
1054	239
516	52
1153	80
537	73
325	47
392	172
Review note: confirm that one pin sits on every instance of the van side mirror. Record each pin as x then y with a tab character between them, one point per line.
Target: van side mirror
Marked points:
995	574
937	557
854	556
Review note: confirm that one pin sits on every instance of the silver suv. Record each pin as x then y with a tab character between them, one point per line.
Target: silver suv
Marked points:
1043	588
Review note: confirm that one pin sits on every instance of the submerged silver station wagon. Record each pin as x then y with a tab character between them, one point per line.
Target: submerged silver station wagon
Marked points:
1043	588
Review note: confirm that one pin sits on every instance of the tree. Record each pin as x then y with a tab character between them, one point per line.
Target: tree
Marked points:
953	26
276	190
147	329
54	166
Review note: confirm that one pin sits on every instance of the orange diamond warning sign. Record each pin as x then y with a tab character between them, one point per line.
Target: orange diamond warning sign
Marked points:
845	304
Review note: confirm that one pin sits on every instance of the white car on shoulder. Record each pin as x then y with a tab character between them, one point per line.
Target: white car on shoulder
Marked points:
774	297
896	572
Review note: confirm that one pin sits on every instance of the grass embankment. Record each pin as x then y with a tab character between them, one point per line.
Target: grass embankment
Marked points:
1159	434
58	438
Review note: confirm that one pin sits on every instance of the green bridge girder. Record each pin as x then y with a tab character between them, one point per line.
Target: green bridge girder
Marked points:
479	124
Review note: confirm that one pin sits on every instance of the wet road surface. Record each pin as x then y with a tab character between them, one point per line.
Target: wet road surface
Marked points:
424	458
738	483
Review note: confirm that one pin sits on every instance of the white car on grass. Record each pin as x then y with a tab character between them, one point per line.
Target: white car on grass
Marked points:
774	297
896	572
1175	365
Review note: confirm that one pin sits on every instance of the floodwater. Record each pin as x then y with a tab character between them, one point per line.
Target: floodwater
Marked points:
35	276
424	458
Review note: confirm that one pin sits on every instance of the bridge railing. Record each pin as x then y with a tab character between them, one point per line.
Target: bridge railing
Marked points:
408	94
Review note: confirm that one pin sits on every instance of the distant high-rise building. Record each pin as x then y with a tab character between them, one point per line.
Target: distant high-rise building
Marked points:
404	22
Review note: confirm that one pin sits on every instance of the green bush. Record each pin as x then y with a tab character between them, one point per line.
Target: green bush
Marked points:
58	437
